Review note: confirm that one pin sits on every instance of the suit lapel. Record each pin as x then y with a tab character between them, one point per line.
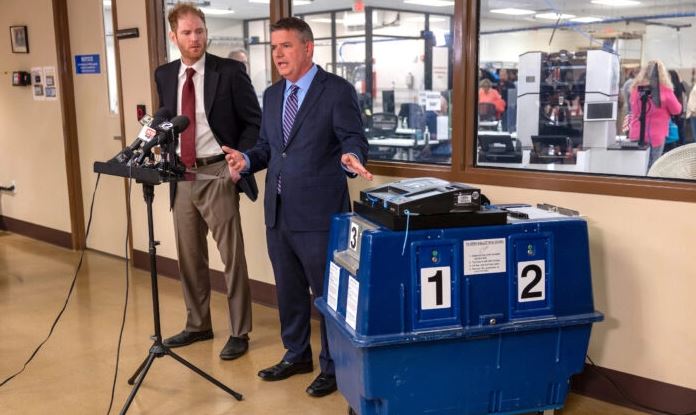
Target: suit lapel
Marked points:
210	83
275	103
313	94
172	76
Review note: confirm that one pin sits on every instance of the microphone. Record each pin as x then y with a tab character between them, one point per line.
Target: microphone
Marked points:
145	134
167	131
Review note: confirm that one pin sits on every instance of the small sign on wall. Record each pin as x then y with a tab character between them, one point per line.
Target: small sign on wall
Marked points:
87	64
37	83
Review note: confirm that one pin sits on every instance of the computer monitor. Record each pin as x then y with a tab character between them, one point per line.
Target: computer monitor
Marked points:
498	148
600	111
388	101
383	124
552	149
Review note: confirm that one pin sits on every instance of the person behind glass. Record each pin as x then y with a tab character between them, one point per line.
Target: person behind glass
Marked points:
311	139
678	119
656	117
240	55
218	98
691	110
488	95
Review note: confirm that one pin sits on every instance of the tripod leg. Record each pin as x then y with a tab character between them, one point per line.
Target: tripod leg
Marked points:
146	366
209	378
131	380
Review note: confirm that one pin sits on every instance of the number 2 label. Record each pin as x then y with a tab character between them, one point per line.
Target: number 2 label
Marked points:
436	288
531	281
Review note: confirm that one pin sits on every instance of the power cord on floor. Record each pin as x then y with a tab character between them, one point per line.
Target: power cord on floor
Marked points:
72	286
628	398
125	303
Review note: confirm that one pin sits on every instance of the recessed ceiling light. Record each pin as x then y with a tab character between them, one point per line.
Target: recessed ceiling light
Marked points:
554	16
587	19
513	12
301	2
432	3
616	3
215	12
323	20
260	1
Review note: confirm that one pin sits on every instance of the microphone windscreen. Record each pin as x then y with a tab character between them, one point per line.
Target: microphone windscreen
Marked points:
161	116
180	123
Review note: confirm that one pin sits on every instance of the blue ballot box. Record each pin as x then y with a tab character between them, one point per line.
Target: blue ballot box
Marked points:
481	319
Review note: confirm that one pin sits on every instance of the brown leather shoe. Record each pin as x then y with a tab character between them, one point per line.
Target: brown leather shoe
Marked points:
284	370
323	385
234	348
187	337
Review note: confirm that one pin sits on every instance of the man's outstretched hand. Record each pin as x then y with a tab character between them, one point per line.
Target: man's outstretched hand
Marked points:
235	162
353	164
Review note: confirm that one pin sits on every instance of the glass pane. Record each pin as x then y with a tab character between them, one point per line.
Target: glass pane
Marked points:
227	21
564	89
110	57
403	85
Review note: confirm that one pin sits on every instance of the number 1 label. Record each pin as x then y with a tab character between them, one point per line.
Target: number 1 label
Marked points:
436	288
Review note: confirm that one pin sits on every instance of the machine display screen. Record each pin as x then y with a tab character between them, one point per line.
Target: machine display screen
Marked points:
600	111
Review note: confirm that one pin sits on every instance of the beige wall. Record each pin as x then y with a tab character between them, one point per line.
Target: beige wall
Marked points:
31	142
642	250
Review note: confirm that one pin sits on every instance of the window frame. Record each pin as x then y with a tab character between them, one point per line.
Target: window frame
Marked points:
465	25
463	168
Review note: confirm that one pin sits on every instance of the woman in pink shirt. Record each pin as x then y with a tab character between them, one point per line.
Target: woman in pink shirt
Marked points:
656	117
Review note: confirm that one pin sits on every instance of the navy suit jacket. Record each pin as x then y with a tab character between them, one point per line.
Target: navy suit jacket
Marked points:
230	102
314	184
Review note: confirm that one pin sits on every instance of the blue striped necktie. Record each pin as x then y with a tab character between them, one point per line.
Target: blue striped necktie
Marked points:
291	107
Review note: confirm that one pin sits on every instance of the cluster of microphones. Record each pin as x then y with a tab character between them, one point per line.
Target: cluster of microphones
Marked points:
160	130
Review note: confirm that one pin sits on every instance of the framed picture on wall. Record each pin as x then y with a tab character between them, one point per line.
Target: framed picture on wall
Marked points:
20	39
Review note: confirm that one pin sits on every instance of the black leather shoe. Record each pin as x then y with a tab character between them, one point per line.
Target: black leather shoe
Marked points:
187	337
284	370
323	385
234	348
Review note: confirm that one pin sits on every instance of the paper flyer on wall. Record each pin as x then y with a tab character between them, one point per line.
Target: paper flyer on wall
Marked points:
37	83
50	83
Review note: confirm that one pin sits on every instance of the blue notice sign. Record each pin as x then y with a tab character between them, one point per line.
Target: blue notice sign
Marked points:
86	64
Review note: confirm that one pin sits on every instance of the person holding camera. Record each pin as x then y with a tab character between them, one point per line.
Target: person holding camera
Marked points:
657	114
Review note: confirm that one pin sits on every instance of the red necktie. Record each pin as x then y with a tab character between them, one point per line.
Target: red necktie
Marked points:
188	108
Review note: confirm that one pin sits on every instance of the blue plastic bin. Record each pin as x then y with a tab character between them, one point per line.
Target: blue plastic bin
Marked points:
473	320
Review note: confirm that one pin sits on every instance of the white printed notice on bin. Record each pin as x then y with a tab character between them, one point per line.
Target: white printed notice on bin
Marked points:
352	302
334	278
484	256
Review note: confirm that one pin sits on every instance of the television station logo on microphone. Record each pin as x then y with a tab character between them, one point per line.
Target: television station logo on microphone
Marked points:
146	133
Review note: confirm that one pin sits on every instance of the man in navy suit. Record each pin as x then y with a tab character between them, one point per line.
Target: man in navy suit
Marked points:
218	98
311	139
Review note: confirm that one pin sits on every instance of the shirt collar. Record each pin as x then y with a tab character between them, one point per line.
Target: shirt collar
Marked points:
305	81
198	66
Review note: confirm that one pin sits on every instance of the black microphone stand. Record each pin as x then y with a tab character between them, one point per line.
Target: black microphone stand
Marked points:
644	97
149	177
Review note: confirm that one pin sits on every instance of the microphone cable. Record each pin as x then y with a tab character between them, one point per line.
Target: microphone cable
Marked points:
125	303
72	286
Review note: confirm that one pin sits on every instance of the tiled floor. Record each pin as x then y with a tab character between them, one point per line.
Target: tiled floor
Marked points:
73	372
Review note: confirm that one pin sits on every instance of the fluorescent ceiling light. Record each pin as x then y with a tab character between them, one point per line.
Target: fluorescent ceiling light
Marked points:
553	16
215	12
513	12
616	3
323	20
587	19
294	3
432	3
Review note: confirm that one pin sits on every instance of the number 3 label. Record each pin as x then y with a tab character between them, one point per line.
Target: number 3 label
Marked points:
531	281
353	236
436	288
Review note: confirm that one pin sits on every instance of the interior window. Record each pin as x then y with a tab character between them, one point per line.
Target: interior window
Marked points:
397	55
586	86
